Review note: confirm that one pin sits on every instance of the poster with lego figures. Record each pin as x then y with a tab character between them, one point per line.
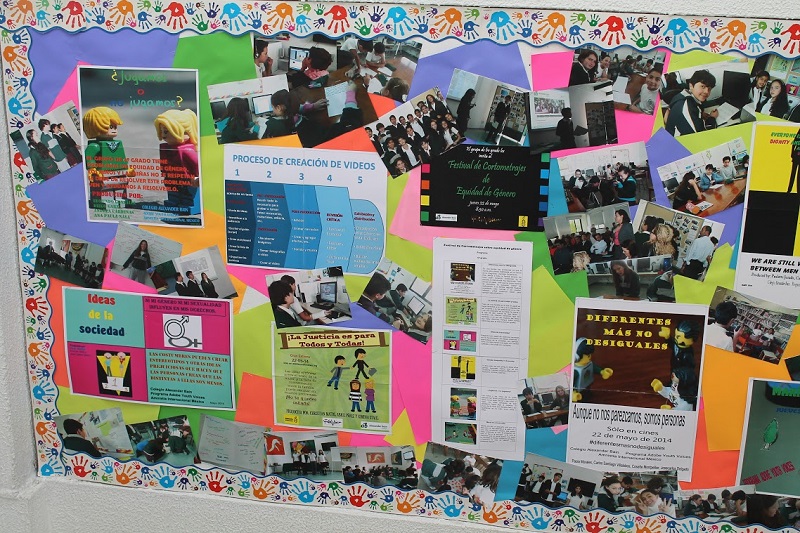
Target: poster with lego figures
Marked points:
636	374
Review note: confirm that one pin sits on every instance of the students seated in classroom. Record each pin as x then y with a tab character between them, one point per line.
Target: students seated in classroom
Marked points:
583	69
646	101
686	113
776	103
758	88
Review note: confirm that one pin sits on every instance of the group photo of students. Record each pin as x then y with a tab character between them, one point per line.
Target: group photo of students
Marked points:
467	474
606	176
168	440
414	132
50	144
556	484
71	259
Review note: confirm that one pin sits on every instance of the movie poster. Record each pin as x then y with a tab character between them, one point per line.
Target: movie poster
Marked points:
635	386
488	187
333	379
140	140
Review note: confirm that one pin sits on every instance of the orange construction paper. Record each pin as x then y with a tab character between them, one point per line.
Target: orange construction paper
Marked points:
725	379
710	469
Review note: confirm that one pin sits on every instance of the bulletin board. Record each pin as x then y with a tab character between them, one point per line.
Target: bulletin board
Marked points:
51	50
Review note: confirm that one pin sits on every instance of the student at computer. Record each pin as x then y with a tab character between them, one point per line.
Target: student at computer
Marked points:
646	101
686	113
239	125
262	60
282	298
313	71
777	102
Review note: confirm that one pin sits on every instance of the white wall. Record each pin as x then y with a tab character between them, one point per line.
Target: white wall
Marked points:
42	505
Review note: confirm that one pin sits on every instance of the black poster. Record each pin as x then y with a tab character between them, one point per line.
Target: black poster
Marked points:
486	187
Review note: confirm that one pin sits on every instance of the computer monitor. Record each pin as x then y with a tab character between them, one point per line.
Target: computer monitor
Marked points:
296	57
643	264
218	110
262	104
736	88
327	292
416	305
671	184
547	398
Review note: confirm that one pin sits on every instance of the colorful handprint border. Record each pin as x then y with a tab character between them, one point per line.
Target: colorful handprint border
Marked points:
434	23
18	18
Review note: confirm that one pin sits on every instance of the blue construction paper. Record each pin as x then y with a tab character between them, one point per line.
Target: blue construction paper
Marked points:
61	51
437	70
663	148
61	201
541	441
556	201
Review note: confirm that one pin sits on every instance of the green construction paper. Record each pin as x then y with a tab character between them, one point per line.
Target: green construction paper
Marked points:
132	413
551	325
541	251
690	291
200	51
211	155
251	344
695	58
574	284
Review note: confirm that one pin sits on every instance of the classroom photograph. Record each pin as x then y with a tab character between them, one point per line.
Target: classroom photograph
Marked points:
241	109
96	433
401	299
487	111
644	492
544	400
748	325
467	474
641	278
606	176
306	454
707	182
135	251
200	274
556	484
377	466
70	259
50	142
168	440
317	296
586	117
771	77
652	378
689	239
599	234
384	66
706	97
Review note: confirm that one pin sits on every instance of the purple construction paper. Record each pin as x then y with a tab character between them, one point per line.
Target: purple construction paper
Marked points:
55	54
663	148
61	202
437	70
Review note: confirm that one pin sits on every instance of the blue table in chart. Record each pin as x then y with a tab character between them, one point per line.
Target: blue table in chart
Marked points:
301	226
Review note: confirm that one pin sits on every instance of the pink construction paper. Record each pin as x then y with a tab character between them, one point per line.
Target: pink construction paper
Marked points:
116	282
254	277
406	223
360	439
69	92
554	70
83	370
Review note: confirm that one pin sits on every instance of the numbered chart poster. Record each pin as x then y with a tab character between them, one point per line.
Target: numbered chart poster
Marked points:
333	379
140	140
635	384
151	349
291	208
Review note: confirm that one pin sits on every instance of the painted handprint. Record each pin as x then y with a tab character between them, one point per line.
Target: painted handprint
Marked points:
505	27
445	20
614	30
552	23
398	20
679	32
408	502
497	512
339	19
731	31
793	32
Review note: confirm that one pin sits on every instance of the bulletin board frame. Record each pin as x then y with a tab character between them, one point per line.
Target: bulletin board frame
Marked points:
23	20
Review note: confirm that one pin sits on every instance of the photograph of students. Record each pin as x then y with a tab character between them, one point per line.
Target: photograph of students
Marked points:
465	105
610	489
281	297
139	261
47	137
565	130
184	275
626	281
67	144
261	57
648	95
776	104
603	73
84	268
42	159
699	254
583	68
240	125
687	191
686	113
758	88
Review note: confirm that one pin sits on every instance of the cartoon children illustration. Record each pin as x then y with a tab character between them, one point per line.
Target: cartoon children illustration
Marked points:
108	363
584	369
106	163
121	356
355	395
336	371
455	405
369	393
178	129
360	363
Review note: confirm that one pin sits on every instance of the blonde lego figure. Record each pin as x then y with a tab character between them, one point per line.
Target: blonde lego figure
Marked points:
106	163
178	129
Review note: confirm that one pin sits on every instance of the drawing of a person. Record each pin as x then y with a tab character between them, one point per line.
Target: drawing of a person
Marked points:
369	393
360	363
355	395
336	371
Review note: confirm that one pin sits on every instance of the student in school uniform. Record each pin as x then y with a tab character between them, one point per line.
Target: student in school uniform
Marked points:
686	113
